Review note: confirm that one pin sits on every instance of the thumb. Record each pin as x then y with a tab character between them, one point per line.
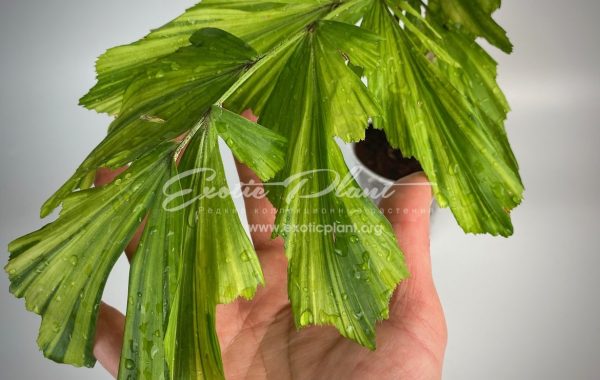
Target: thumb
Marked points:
407	206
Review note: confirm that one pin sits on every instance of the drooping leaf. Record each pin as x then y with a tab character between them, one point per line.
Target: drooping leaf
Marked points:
168	99
61	269
158	283
342	278
342	90
173	96
262	24
429	116
432	89
153	279
220	261
474	18
476	81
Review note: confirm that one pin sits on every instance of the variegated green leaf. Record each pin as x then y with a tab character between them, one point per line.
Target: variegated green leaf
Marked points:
61	269
220	263
428	115
473	18
194	254
296	63
153	280
262	24
341	278
256	146
168	99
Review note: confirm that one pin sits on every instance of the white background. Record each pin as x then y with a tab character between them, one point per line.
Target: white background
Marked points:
520	308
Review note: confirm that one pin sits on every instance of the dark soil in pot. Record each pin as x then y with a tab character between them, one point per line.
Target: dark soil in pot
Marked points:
378	155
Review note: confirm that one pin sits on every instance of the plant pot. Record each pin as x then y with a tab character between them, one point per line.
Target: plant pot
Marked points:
376	166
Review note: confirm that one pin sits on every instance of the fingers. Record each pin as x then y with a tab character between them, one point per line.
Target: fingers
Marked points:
109	338
408	209
259	210
416	305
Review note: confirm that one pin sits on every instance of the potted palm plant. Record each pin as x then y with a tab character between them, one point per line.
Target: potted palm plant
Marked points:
314	71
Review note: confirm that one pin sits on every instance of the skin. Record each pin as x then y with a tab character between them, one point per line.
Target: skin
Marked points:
258	338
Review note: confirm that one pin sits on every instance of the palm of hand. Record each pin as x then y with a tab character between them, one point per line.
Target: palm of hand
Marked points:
259	340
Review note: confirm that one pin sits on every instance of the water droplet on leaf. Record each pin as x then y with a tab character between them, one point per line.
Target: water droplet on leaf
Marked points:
129	364
306	317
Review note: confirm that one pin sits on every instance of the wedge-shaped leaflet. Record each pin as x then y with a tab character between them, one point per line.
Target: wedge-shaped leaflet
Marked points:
254	145
473	17
344	259
61	269
445	126
168	99
475	80
220	261
261	23
339	277
466	66
217	265
153	280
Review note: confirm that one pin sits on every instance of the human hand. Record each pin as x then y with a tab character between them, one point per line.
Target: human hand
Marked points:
258	337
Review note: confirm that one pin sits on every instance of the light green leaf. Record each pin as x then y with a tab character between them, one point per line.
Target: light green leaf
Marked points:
429	38
61	269
476	82
345	99
153	279
430	117
254	145
348	11
473	18
341	278
220	261
342	89
355	43
261	23
298	64
167	100
255	92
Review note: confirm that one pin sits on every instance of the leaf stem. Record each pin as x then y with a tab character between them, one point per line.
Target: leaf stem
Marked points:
260	61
